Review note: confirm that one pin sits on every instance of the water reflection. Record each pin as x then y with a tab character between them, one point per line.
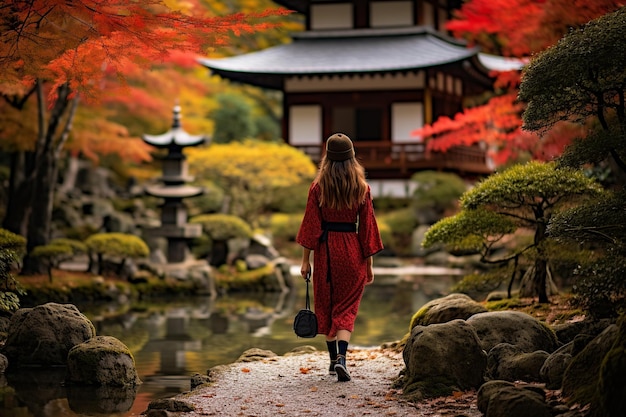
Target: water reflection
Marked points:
173	340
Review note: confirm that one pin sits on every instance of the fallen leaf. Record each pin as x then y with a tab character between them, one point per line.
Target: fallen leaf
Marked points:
304	370
280	405
246	370
313	389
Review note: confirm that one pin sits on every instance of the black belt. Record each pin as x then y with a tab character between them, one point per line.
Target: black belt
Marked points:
333	227
336	227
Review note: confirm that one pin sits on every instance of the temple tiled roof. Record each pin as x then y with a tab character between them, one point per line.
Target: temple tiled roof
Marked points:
343	52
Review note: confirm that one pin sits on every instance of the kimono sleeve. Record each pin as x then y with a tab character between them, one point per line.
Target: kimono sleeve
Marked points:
311	226
369	236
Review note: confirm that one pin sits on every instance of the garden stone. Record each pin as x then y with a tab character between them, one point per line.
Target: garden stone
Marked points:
417	238
103	400
612	381
554	367
256	261
261	245
509	363
455	362
581	378
4	328
515	328
496	399
566	332
43	335
448	308
101	361
4	363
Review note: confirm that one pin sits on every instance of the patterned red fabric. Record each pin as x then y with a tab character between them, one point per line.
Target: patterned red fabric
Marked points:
336	300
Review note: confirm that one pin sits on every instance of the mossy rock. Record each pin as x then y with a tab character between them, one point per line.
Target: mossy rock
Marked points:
442	310
581	379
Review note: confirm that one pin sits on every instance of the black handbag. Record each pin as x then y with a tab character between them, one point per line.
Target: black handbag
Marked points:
305	323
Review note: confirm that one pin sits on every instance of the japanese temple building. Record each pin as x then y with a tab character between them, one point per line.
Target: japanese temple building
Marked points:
375	70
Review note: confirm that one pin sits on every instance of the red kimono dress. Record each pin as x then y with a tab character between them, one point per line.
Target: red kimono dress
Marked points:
338	291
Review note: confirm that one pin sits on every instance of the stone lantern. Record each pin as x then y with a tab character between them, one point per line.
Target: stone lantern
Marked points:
172	189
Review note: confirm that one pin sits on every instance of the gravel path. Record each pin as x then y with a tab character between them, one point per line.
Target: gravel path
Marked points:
299	385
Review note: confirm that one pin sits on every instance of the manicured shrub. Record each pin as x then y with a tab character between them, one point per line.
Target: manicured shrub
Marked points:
12	248
117	246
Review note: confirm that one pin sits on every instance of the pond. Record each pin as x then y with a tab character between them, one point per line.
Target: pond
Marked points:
171	341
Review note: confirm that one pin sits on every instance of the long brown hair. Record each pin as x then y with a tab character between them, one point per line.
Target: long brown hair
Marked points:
342	183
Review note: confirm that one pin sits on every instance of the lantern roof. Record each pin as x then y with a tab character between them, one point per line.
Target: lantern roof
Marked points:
176	136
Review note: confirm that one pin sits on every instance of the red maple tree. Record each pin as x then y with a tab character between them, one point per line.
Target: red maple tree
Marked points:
512	28
55	54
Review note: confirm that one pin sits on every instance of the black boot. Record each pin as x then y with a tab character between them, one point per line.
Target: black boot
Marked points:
332	352
340	367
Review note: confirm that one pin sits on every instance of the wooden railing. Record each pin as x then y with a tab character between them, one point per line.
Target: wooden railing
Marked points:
402	159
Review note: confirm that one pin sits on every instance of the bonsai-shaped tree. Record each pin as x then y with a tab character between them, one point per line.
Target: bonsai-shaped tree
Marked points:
582	80
12	248
219	228
57	251
119	246
438	191
522	197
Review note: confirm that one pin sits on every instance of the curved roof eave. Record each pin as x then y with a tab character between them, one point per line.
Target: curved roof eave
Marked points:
333	56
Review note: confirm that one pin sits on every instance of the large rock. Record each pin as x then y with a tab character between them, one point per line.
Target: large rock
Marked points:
503	399
567	332
44	335
515	328
612	379
581	378
4	363
555	365
451	307
596	375
509	363
442	358
101	361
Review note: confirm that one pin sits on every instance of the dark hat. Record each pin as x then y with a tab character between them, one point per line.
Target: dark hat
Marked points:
339	147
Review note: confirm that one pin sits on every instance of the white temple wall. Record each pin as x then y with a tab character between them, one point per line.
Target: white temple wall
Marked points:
331	16
391	13
305	125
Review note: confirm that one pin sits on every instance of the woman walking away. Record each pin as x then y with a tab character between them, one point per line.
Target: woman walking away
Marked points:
340	228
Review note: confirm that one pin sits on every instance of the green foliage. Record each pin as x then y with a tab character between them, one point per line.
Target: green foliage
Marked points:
233	119
52	252
600	227
209	202
437	190
250	172
385	232
522	189
401	224
290	199
222	226
599	222
484	281
57	251
565	81
285	226
117	245
524	197
12	248
471	230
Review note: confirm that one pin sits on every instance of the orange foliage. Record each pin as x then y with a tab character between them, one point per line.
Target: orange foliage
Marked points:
515	28
522	27
73	42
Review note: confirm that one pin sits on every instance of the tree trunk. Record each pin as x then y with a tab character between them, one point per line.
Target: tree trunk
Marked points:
52	137
540	280
19	196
